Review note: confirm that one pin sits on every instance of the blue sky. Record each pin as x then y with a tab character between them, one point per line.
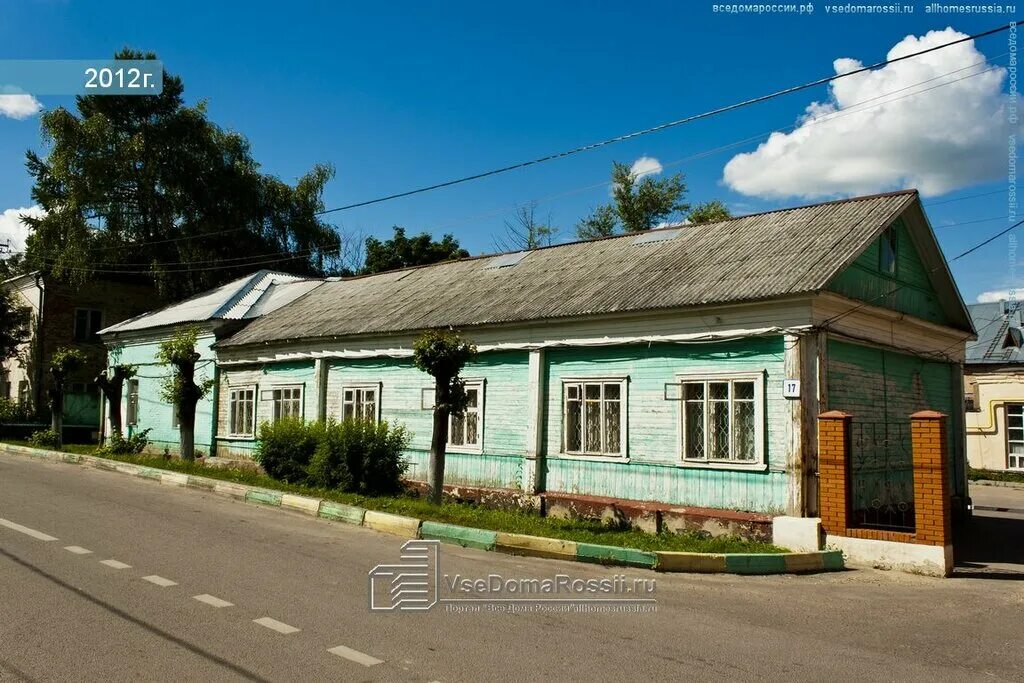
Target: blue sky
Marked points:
398	95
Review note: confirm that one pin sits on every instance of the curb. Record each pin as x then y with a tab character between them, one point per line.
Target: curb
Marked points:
994	482
467	537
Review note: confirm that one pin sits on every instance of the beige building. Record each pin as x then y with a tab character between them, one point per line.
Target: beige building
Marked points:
994	387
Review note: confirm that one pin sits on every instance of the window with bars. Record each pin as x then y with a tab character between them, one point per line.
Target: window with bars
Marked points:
721	419
287	402
465	429
361	402
594	417
1015	436
132	412
242	407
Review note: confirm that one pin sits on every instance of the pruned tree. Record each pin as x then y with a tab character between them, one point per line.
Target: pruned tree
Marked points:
111	382
709	212
64	362
401	251
524	231
442	354
15	324
180	387
638	203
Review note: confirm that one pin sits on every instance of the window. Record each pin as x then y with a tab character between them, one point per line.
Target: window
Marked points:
175	420
1015	436
23	393
721	419
242	403
594	417
132	416
5	384
361	403
887	251
287	402
88	322
465	429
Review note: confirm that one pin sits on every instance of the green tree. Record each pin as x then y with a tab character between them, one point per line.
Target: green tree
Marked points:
402	252
64	362
442	355
180	387
637	203
111	382
150	187
15	324
709	212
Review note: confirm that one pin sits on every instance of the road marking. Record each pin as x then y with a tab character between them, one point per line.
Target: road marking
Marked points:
77	550
355	656
25	530
275	625
115	564
160	581
211	600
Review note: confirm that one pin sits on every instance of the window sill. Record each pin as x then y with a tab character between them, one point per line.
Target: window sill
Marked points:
237	437
714	465
591	458
469	450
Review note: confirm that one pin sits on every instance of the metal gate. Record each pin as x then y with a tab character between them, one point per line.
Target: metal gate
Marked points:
881	480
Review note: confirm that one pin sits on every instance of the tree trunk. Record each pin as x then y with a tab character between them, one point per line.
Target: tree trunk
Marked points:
187	428
114	401
438	443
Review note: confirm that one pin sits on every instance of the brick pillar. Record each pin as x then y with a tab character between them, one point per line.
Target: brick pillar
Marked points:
833	470
932	512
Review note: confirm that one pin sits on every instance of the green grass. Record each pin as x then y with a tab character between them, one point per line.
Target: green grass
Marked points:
463	514
995	475
80	448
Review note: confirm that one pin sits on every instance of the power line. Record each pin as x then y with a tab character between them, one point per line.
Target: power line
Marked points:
660	127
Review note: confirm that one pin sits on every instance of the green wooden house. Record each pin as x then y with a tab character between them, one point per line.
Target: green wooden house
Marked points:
681	369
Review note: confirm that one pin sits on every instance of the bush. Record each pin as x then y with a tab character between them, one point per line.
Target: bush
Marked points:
12	411
355	455
118	445
285	448
360	456
44	438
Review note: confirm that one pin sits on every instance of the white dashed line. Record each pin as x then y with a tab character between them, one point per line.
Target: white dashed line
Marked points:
355	656
77	550
160	581
115	564
275	625
211	600
25	530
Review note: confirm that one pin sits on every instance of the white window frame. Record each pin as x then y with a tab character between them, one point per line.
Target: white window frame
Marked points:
131	412
478	447
361	386
760	433
267	395
231	410
623	382
1009	441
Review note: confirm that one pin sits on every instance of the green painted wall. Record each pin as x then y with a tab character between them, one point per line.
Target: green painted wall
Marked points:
155	413
864	281
885	387
653	471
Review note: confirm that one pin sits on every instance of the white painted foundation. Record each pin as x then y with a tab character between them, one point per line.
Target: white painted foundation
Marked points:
931	560
800	534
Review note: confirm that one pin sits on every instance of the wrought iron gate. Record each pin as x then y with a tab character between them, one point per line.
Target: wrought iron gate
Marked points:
881	480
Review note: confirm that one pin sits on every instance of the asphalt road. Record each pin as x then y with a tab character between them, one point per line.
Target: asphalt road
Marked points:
285	597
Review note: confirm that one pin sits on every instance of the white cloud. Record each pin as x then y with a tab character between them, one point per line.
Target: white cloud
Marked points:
14	229
993	296
645	166
937	141
19	106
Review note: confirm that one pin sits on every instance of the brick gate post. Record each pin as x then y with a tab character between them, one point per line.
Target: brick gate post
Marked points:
833	470
932	507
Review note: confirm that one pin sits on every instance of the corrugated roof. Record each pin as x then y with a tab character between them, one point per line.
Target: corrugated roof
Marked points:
755	257
994	322
247	297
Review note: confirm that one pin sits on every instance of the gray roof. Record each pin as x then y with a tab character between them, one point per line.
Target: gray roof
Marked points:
247	297
999	326
749	258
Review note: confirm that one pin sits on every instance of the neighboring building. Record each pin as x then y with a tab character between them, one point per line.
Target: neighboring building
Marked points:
67	316
216	313
994	388
683	367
